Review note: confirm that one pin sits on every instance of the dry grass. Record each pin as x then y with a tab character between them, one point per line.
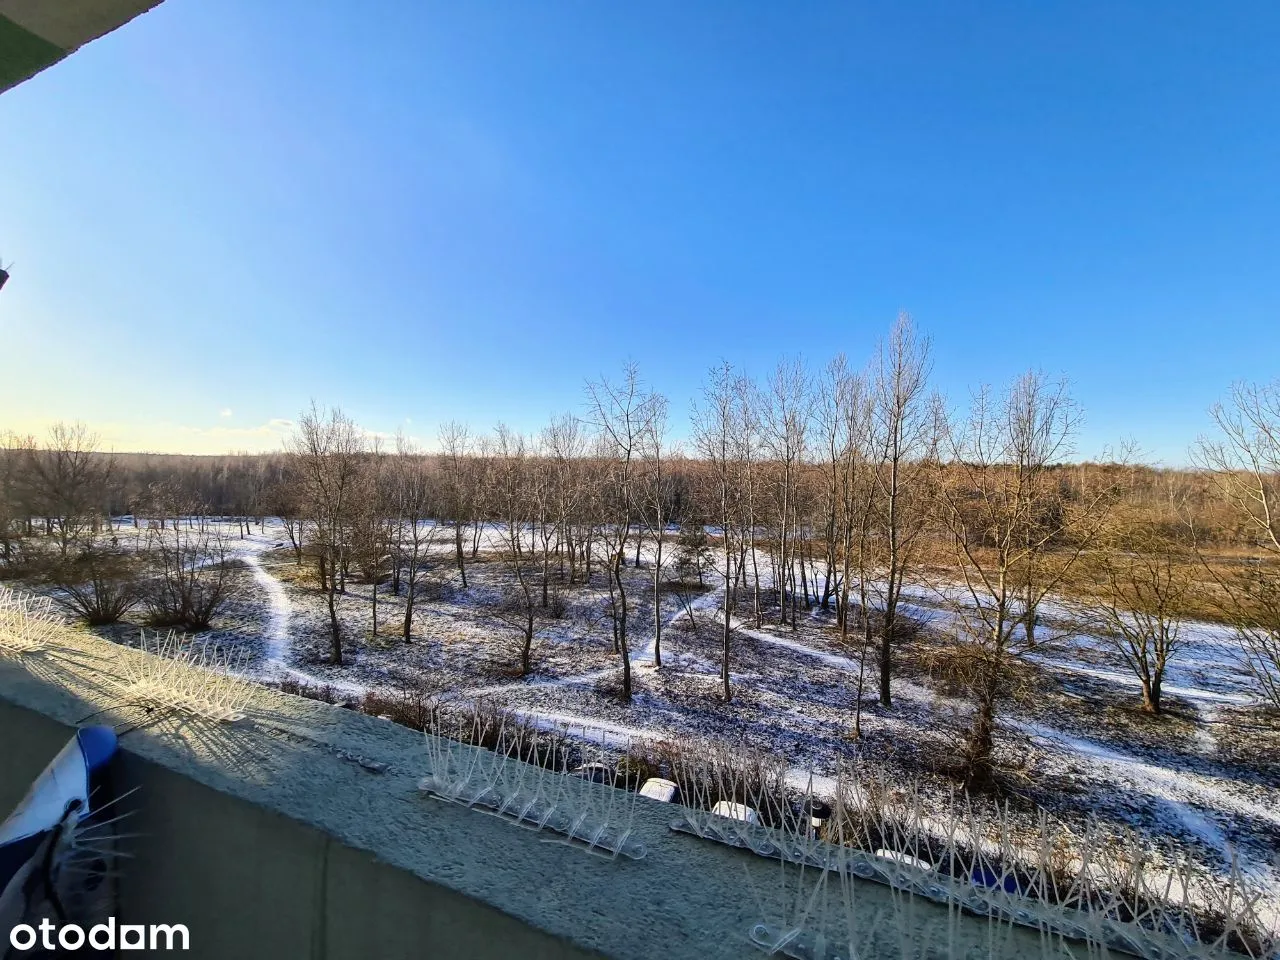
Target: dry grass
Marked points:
284	567
1207	600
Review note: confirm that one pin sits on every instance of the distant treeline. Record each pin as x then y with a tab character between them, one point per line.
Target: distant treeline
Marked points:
259	485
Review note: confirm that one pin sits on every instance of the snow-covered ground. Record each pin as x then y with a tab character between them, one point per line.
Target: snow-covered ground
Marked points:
1206	775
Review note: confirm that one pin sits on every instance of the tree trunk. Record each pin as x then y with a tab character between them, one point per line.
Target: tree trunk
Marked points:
1151	693
724	661
890	626
526	653
755	569
782	569
728	610
622	630
462	564
886	665
657	605
613	610
335	655
546	570
804	586
981	740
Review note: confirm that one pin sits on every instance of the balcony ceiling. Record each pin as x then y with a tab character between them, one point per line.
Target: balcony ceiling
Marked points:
35	34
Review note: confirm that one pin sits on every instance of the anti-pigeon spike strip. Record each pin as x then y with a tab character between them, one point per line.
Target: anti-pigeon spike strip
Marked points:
1086	887
27	623
191	677
587	815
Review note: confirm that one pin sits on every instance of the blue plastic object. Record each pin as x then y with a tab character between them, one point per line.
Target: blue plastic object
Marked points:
98	745
986	877
34	838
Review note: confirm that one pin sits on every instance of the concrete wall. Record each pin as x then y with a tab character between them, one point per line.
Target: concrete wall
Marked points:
249	882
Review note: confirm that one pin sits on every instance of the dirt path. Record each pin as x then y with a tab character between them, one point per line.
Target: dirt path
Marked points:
276	635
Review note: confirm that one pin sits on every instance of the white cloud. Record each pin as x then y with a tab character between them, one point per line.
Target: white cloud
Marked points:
224	412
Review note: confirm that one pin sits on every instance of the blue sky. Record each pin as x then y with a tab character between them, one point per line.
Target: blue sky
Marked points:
426	211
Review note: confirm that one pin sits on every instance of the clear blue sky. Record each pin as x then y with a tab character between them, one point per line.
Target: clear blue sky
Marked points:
463	210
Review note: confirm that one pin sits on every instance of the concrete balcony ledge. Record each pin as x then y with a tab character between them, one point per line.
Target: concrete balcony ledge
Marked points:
300	831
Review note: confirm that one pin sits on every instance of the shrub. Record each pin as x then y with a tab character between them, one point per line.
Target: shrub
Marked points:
322	692
192	581
99	586
412	701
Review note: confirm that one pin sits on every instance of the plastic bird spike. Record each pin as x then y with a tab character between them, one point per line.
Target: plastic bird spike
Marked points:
27	623
590	815
1089	888
185	676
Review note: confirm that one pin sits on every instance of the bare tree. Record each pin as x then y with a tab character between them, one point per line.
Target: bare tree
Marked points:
1255	613
693	558
904	439
329	451
1141	583
715	428
517	606
827	417
1244	462
566	445
748	445
786	415
656	494
100	584
15	494
192	581
851	446
282	497
542	479
459	488
508	493
70	480
623	414
373	534
414	531
1005	512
